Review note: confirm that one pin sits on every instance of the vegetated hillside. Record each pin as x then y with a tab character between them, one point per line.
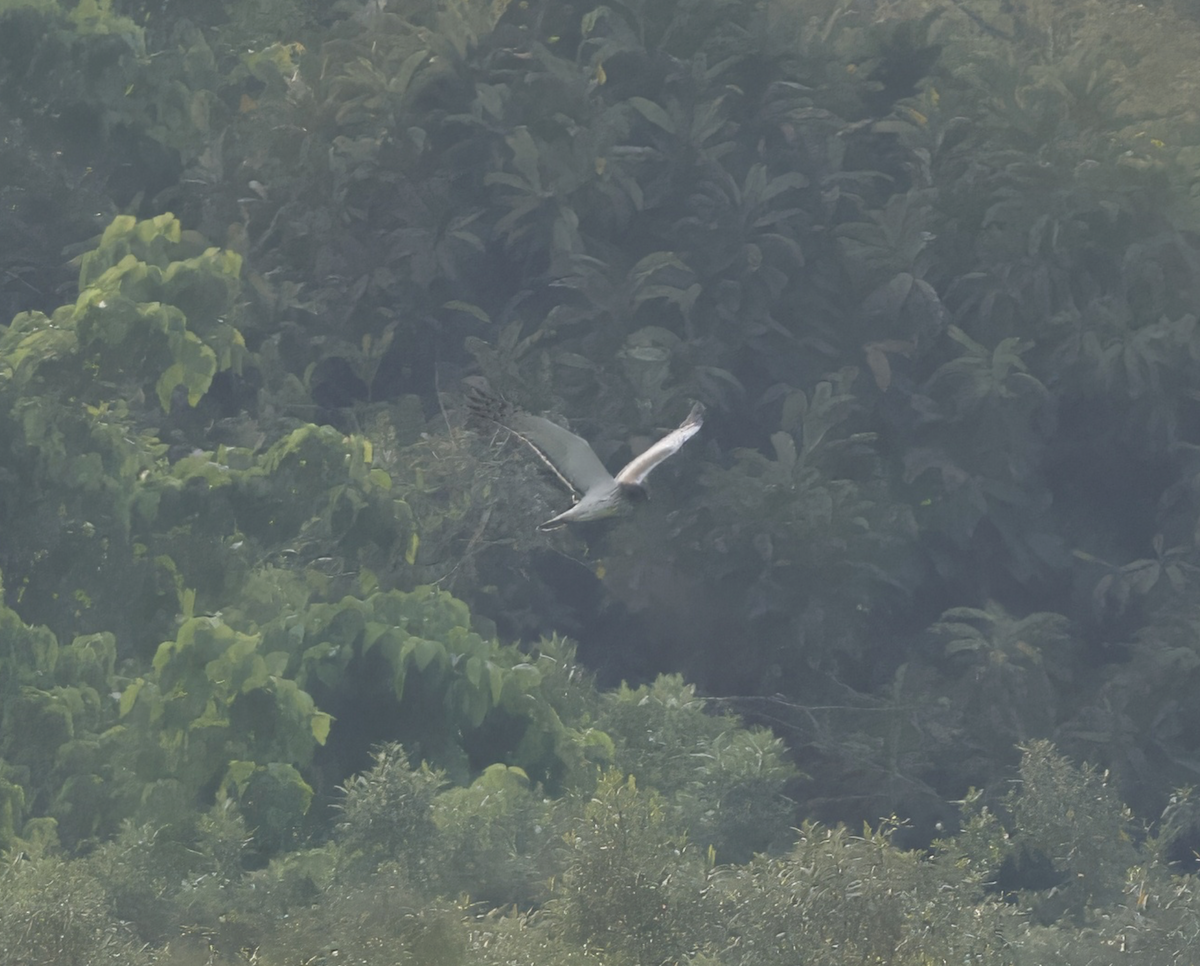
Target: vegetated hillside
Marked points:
933	271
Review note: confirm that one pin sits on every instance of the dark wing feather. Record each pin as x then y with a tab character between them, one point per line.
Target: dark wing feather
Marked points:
569	456
636	471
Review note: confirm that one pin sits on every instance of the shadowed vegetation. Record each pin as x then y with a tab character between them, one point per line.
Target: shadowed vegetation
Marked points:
282	667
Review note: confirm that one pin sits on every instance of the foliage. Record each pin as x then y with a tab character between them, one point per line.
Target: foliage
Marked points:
156	876
499	838
729	781
1007	691
933	271
387	810
81	440
836	895
630	885
235	711
1073	819
53	911
53	707
807	518
624	885
384	926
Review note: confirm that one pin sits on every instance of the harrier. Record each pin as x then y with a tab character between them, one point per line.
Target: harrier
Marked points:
598	493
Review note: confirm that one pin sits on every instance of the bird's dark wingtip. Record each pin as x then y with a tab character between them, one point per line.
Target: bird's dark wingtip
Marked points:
484	402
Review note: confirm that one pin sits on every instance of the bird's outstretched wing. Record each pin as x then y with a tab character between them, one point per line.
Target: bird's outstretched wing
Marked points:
569	456
636	471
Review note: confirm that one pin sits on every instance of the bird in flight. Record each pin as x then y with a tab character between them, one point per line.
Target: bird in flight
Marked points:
598	493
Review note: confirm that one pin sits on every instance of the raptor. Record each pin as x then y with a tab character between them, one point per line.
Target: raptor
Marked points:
597	492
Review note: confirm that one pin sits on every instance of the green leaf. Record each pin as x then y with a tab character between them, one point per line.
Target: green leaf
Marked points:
469	308
795	405
496	681
653	113
474	706
785	450
238	774
399	83
129	696
784	182
194	368
525	155
373	631
475	670
425	651
320	724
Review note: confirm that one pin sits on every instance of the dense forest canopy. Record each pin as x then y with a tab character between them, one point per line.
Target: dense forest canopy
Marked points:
279	636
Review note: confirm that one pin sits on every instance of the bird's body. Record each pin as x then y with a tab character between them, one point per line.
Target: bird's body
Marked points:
599	493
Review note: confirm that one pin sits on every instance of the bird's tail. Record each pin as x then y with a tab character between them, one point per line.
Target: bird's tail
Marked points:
484	402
